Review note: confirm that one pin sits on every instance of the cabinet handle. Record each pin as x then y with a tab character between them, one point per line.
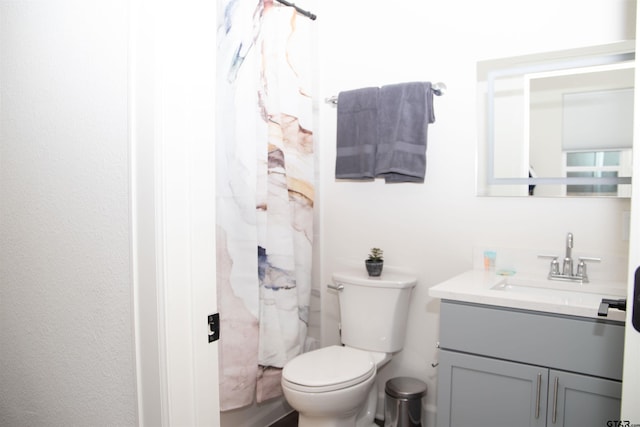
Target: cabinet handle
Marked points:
555	400
538	396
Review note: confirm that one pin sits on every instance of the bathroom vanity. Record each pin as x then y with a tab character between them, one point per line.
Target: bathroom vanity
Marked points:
526	357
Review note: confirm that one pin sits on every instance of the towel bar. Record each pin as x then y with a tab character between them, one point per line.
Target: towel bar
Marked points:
438	89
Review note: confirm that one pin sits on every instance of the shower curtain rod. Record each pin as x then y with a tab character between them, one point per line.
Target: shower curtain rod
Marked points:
300	11
438	89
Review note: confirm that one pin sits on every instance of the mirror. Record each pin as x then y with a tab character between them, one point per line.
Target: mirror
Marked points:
557	123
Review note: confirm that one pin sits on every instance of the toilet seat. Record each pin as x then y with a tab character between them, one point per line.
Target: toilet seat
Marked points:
329	368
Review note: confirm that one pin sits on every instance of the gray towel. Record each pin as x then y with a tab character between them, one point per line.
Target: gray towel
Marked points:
357	133
404	113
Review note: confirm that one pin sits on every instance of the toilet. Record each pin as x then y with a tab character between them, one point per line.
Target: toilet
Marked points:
334	386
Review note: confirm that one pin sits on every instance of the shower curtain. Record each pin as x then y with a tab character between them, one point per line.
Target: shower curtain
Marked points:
265	193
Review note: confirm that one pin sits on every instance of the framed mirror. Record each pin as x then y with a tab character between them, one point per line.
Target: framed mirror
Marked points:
557	123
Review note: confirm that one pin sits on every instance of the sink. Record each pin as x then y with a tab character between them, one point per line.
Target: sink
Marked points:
532	292
564	293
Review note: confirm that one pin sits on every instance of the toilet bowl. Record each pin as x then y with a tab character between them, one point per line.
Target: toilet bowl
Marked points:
333	386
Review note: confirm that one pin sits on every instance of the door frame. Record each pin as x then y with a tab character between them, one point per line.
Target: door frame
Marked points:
631	374
172	139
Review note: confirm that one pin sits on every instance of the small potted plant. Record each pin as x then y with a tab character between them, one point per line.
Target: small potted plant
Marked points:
374	262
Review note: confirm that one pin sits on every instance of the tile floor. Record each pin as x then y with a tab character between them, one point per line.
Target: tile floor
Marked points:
291	420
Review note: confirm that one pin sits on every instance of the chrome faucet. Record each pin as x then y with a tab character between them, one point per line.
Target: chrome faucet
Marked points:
567	273
567	264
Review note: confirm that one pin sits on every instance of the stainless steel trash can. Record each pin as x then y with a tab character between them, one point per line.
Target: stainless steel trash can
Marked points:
403	402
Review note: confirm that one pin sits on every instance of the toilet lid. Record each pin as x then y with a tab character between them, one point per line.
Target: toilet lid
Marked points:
330	368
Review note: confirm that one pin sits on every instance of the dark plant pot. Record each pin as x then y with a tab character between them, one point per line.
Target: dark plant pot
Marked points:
374	268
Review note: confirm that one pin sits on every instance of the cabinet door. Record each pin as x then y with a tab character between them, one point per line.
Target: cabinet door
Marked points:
476	391
581	401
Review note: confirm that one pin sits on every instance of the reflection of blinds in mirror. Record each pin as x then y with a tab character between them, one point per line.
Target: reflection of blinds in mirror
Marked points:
598	120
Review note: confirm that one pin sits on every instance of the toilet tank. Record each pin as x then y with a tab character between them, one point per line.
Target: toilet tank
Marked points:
373	310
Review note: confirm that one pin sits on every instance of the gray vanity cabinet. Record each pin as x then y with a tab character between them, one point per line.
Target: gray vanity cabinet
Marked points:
475	391
503	367
582	400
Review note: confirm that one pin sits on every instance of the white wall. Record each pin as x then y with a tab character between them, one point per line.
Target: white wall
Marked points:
65	294
433	228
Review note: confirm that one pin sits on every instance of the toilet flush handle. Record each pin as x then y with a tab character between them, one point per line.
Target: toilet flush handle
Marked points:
335	288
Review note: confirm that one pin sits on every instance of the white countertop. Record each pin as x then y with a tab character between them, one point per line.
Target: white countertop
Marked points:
525	292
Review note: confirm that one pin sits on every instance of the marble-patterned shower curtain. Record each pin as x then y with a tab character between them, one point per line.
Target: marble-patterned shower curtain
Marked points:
265	193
